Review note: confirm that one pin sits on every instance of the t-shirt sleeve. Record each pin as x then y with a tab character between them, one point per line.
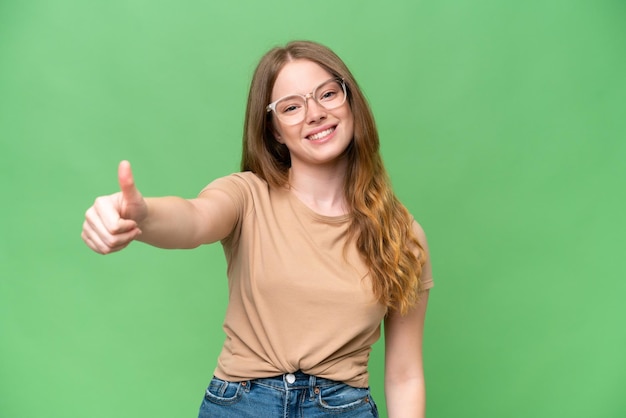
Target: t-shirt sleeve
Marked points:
234	187
426	278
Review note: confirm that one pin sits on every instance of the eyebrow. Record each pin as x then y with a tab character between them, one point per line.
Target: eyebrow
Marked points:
309	92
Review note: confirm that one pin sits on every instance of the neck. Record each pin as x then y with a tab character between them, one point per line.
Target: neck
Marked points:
321	188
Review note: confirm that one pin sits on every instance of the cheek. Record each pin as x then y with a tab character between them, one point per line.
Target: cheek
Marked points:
277	131
349	118
284	133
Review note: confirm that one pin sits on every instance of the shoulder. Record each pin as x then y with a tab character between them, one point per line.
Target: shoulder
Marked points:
244	189
418	230
249	177
241	182
427	275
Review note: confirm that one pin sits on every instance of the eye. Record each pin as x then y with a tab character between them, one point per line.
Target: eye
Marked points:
329	92
289	105
290	108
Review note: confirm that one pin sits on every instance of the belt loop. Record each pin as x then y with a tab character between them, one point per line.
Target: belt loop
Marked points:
312	382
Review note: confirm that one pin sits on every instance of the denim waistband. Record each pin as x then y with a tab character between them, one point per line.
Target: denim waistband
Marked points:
295	380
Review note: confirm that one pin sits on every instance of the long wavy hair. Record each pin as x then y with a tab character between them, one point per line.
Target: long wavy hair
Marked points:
381	225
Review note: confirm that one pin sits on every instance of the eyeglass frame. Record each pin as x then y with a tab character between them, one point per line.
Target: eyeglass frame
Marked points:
272	106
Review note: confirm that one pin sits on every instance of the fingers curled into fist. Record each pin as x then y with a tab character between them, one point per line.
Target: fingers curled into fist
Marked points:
104	231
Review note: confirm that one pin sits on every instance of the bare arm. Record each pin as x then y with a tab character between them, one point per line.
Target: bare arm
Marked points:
174	222
405	388
114	221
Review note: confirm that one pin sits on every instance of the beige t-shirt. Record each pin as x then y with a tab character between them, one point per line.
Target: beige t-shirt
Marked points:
297	301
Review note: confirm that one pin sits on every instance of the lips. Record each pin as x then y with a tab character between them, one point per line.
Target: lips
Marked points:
321	135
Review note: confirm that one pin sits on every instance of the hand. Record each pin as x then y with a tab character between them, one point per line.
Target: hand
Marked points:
113	221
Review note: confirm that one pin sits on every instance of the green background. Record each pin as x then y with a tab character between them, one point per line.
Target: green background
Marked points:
503	126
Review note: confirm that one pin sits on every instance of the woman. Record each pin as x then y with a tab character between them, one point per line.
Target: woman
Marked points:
319	250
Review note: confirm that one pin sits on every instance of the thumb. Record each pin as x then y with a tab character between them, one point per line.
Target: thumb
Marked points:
127	183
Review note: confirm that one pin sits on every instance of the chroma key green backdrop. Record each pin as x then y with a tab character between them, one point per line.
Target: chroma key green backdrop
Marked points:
503	126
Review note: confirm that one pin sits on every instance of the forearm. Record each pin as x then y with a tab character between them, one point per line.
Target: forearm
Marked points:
406	398
172	222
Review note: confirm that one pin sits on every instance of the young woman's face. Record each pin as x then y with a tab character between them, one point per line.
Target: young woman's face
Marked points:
323	135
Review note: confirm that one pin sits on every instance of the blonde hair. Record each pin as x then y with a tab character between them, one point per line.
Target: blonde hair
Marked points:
381	225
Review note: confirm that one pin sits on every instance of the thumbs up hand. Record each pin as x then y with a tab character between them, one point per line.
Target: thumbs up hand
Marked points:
112	222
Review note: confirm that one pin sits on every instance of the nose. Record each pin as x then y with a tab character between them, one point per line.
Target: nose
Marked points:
314	111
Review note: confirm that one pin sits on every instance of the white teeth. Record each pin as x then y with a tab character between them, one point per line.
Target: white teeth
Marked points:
321	135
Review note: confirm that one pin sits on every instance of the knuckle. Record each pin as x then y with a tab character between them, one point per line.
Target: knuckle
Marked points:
101	202
108	241
113	242
113	229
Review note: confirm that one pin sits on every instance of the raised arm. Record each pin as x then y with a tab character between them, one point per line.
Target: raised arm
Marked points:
114	221
405	389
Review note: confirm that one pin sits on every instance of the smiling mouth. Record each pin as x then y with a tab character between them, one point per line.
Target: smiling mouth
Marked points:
321	135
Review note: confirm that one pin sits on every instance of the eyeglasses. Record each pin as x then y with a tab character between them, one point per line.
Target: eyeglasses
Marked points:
291	109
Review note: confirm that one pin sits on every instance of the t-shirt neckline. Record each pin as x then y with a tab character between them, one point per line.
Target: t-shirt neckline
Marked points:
315	215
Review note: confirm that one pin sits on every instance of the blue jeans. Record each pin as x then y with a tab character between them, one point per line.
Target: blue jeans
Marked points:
294	395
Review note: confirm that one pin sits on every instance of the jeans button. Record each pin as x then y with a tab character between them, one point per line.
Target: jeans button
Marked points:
290	378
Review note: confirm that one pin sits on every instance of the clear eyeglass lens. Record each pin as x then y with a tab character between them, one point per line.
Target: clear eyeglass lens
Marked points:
292	109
